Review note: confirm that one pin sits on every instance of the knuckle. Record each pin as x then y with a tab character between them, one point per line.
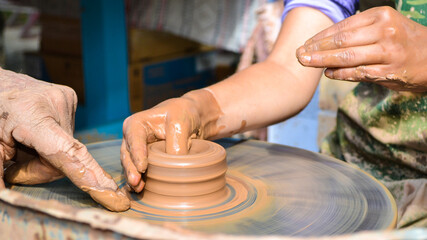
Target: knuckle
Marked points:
388	53
385	13
63	95
342	75
348	56
338	75
361	73
57	95
341	25
311	48
126	123
130	123
383	48
77	150
391	31
70	96
68	90
340	38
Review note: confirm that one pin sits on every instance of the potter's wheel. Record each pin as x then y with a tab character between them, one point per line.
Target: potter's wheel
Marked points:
286	191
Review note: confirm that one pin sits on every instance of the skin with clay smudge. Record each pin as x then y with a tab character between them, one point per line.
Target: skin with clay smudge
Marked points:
37	144
260	95
379	45
177	121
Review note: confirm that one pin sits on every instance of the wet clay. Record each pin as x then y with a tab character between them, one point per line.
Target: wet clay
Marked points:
241	192
209	112
273	189
189	181
116	201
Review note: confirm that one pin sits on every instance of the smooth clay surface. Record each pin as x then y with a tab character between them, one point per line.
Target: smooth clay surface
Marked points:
187	181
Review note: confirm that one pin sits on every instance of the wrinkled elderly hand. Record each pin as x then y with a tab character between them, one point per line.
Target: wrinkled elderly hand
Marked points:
378	45
176	120
36	143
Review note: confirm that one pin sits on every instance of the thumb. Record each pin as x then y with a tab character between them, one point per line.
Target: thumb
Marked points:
177	138
72	158
34	171
30	168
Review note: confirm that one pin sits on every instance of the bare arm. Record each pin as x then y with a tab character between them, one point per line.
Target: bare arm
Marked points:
260	95
273	90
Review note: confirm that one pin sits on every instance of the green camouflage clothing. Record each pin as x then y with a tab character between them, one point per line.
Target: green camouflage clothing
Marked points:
384	132
413	9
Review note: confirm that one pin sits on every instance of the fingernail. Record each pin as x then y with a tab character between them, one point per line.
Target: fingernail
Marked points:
305	58
139	167
328	73
300	51
133	179
140	186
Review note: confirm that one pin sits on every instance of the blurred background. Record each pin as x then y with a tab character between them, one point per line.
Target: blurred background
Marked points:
124	56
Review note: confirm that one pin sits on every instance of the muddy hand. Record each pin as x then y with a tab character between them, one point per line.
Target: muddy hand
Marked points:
176	120
40	116
378	45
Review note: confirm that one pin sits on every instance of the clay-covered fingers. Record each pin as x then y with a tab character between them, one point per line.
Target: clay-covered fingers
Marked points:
372	73
171	120
135	140
346	57
359	73
133	176
349	43
34	171
177	137
72	158
344	39
68	108
137	133
181	127
182	124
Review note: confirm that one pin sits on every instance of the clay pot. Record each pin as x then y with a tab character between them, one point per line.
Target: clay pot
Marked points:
195	180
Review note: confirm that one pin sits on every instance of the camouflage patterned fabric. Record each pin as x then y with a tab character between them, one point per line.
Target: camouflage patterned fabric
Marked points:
413	9
384	132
